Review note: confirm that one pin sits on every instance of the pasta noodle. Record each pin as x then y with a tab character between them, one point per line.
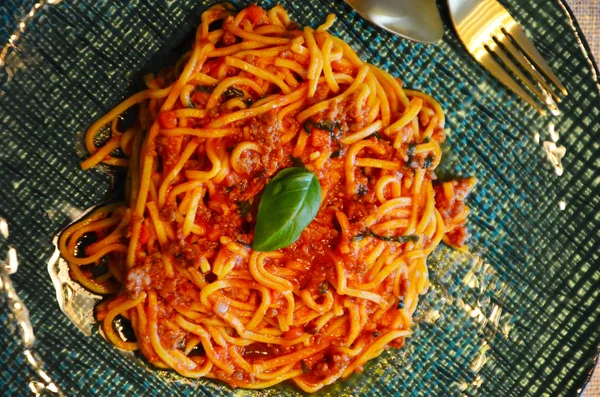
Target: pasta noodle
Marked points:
255	95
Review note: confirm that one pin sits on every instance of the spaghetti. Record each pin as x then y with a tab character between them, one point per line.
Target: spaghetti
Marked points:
254	95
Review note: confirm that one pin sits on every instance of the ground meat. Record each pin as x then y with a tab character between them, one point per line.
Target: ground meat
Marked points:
357	211
168	149
172	337
250	161
148	275
263	129
228	38
450	207
438	135
168	213
321	370
320	94
459	236
191	252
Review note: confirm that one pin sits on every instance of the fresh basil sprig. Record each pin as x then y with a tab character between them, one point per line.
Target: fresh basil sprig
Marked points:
289	203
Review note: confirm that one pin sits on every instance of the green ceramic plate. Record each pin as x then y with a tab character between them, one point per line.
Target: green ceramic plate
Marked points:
520	316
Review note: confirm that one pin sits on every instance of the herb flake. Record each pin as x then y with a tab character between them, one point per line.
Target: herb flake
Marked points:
244	244
243	208
401	303
397	239
362	191
207	89
428	161
305	367
232	92
325	125
410	154
323	288
358	238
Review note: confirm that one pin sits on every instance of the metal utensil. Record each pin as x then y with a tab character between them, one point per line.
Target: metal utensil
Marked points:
416	20
497	42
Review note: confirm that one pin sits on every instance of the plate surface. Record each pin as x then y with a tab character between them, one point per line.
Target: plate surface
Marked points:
520	316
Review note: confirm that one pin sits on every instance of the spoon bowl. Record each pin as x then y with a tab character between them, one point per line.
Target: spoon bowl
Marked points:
415	20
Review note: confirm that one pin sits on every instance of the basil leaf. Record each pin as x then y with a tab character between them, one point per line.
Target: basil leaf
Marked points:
289	203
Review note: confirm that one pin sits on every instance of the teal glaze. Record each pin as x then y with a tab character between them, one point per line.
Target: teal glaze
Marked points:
524	320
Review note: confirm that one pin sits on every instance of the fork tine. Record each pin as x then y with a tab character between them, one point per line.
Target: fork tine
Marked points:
518	36
543	95
486	59
508	45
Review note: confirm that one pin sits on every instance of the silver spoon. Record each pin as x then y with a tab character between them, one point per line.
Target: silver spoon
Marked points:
416	20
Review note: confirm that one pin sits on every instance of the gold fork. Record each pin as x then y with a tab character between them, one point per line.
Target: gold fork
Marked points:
497	42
